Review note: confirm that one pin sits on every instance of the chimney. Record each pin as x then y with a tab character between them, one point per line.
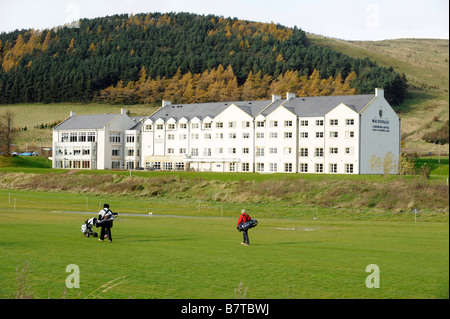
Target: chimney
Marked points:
379	92
72	113
166	103
275	98
123	111
290	96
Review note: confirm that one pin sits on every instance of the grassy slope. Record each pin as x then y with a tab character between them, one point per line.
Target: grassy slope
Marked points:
425	62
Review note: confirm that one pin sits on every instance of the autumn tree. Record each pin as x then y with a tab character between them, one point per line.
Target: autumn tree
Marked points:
7	132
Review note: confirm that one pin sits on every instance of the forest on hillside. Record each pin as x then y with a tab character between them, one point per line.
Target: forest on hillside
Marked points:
183	57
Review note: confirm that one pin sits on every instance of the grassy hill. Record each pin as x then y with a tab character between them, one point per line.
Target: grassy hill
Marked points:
425	62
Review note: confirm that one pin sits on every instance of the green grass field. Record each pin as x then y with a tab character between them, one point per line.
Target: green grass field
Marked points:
196	252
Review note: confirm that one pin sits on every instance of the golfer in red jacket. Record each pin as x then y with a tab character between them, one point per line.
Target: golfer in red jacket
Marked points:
244	217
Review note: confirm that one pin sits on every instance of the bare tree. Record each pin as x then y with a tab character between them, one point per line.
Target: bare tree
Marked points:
7	132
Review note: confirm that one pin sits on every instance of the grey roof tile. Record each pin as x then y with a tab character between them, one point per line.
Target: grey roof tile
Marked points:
80	122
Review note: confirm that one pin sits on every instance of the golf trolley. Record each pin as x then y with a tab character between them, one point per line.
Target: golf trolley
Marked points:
86	228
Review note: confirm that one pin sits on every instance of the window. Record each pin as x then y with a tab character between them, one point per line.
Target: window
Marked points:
273	123
318	152
273	167
273	135
91	136
303	152
260	167
64	137
183	136
245	124
195	125
171	126
287	123
207	136
333	150
333	122
259	123
303	167
319	168
115	164
115	151
232	150
179	166
333	134
288	150
233	124
207	125
182	151
219	150
232	167
245	167
259	135
219	124
183	126
349	122
207	152
303	134
73	137
245	150
319	134
159	126
349	134
167	166
304	123
114	137
130	151
82	137
232	136
348	168
219	136
333	168
245	135
156	165
287	134
288	167
194	151
349	150
148	127
319	122
260	151
194	136
170	136
273	150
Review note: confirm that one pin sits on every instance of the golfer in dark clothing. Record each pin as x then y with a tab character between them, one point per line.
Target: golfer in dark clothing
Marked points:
242	219
106	225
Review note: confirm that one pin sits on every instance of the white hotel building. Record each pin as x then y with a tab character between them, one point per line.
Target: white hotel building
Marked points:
333	134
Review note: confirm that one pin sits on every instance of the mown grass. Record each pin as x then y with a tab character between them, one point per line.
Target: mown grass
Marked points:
190	258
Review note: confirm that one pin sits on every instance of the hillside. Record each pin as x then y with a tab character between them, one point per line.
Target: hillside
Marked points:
121	51
425	63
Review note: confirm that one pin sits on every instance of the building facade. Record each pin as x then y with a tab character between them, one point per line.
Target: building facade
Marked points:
333	135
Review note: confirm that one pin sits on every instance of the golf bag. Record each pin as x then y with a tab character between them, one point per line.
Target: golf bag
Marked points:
247	225
86	228
109	217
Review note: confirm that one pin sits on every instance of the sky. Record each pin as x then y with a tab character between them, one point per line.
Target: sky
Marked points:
343	19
